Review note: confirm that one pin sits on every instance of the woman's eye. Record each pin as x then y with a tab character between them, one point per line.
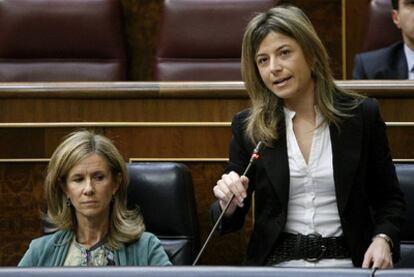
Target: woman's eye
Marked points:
99	177
261	61
284	52
77	180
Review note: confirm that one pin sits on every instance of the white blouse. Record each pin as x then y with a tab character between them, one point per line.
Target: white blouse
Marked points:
312	207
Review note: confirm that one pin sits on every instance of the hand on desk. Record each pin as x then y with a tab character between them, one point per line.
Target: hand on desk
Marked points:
378	255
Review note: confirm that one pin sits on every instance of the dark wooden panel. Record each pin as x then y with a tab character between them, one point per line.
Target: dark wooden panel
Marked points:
228	249
32	143
326	16
198	142
21	143
21	200
163	102
137	142
356	17
118	110
401	141
397	109
142	23
158	142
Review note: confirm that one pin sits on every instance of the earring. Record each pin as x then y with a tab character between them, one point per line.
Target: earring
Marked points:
68	202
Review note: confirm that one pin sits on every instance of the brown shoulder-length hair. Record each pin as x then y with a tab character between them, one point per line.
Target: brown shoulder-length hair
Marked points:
267	108
124	225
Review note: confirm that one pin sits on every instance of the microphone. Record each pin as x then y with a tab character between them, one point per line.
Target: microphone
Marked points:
254	157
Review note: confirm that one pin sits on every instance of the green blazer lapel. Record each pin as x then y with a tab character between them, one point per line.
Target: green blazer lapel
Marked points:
346	151
61	244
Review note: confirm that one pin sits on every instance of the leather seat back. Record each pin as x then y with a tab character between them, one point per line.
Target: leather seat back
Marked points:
405	173
164	194
56	40
201	40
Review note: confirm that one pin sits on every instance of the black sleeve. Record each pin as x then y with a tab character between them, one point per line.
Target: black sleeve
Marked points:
386	197
239	157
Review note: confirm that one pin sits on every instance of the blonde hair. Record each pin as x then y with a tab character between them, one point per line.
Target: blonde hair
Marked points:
267	108
124	225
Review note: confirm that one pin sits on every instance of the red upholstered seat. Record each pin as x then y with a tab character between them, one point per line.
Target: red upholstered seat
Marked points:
201	40
61	40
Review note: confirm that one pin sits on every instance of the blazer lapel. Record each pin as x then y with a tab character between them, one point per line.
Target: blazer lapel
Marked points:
398	67
402	68
275	162
346	150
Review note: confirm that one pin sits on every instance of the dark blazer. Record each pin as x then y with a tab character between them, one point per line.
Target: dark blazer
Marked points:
364	178
385	63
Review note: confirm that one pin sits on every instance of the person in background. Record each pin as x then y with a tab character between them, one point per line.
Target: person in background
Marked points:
86	192
325	188
395	61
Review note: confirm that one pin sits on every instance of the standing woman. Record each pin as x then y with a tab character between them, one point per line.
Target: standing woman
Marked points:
326	192
86	193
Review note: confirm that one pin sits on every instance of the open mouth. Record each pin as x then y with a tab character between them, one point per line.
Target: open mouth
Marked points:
281	82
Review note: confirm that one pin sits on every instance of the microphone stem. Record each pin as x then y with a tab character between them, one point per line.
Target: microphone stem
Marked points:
253	158
219	218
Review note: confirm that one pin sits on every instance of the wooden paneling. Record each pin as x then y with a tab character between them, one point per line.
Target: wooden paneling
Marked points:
118	110
170	142
326	16
401	141
147	121
221	250
142	23
21	197
355	20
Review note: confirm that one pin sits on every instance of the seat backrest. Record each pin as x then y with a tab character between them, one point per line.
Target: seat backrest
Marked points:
164	194
201	40
405	173
61	40
380	29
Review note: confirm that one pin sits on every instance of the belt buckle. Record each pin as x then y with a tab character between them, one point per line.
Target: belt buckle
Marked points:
322	249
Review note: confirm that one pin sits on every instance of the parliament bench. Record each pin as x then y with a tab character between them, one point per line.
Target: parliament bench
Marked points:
186	271
200	271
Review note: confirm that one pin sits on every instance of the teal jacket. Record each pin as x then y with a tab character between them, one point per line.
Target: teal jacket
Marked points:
51	250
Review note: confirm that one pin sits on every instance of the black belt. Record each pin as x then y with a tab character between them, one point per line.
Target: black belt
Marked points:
311	248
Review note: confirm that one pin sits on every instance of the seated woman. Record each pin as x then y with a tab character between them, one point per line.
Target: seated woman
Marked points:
86	192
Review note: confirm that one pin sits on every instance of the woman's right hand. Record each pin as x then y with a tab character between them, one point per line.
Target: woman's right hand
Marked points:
228	185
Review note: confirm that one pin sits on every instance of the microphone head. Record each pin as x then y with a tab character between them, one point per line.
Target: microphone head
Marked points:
255	155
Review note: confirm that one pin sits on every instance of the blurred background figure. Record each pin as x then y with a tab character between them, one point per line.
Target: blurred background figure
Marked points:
395	61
